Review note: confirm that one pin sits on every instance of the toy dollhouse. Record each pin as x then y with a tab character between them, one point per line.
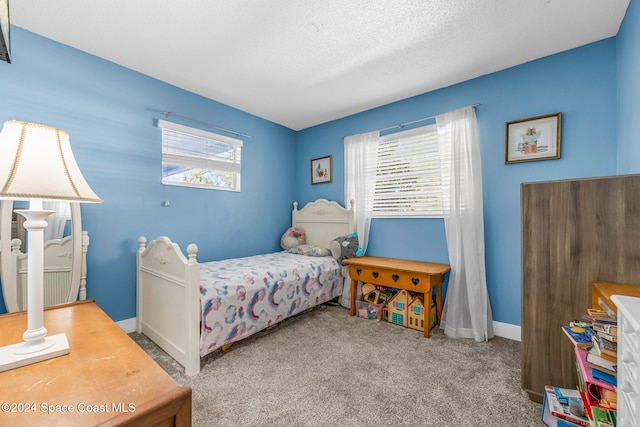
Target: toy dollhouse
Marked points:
397	308
416	314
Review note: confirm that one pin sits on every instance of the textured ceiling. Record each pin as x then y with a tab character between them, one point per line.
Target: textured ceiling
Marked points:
301	63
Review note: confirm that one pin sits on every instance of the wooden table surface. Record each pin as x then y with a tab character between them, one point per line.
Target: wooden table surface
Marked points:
105	379
399	264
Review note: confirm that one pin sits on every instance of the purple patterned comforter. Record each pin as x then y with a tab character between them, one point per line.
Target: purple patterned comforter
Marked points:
242	296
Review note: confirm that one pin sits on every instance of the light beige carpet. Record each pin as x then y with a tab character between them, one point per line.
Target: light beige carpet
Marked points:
325	368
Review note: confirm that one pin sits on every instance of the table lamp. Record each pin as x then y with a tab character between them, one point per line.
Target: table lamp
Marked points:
36	164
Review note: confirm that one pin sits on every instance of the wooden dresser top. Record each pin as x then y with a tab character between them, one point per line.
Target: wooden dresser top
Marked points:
105	375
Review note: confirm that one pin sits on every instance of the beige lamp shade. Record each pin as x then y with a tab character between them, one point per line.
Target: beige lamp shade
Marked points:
36	162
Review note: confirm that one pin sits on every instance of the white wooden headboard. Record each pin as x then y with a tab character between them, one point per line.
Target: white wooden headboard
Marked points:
323	221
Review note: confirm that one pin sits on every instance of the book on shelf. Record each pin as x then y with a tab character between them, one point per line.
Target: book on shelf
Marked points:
600	363
608	399
608	337
605	328
605	347
579	336
603	376
573	411
595	349
604	417
594	312
602	320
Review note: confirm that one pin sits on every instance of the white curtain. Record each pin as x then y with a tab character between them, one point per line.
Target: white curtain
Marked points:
360	160
466	312
56	221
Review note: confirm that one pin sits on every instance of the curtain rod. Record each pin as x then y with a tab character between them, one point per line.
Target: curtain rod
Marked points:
402	125
168	114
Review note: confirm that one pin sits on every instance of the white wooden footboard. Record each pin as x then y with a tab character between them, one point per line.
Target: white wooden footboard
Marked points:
168	299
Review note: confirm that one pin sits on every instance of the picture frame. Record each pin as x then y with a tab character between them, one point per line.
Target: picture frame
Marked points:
321	170
5	32
534	138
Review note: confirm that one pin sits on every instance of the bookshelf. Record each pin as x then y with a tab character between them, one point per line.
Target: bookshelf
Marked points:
609	386
588	381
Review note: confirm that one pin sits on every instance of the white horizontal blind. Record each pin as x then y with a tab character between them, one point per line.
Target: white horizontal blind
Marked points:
408	176
196	158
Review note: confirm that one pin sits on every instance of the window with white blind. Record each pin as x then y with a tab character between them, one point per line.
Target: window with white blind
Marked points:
409	174
195	158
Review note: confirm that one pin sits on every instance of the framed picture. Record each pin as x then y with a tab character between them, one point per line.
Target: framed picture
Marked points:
5	35
535	138
321	170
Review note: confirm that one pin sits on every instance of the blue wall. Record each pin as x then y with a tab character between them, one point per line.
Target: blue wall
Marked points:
629	91
580	83
106	109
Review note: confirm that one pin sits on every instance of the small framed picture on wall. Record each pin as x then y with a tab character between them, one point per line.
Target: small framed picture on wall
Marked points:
321	170
535	138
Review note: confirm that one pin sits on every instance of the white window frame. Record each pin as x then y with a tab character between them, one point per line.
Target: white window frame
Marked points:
199	156
423	162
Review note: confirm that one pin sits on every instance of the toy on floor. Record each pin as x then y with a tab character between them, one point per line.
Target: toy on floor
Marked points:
398	305
416	314
408	310
375	294
370	311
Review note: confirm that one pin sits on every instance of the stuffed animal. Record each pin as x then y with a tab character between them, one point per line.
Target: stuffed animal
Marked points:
344	247
292	237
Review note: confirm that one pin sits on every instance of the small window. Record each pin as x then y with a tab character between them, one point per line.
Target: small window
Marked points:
195	158
409	174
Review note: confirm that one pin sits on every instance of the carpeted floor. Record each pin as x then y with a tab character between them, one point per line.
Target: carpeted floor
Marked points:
325	368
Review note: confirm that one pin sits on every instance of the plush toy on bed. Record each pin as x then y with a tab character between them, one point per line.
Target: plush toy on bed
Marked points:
344	247
293	237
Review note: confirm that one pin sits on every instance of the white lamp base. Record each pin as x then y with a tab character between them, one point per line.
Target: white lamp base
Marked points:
23	354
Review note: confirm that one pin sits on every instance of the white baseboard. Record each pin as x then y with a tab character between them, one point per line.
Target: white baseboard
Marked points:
507	330
127	325
504	330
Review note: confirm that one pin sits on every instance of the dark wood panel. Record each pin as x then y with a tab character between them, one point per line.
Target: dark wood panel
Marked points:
573	232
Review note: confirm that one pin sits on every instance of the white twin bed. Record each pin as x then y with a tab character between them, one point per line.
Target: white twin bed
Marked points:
190	308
